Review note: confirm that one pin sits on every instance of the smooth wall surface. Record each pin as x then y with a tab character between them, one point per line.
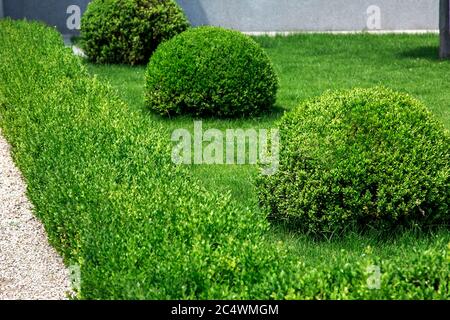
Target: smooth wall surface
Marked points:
260	15
315	15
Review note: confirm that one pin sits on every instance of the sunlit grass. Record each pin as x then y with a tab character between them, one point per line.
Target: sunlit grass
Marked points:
307	66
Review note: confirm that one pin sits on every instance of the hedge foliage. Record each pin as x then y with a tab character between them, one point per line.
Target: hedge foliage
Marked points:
101	180
128	31
360	158
210	71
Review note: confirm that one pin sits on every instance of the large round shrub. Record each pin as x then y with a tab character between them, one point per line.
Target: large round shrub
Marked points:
357	159
210	71
128	31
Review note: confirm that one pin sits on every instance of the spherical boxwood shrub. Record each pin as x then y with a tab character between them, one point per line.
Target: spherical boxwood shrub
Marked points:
128	31
210	71
357	159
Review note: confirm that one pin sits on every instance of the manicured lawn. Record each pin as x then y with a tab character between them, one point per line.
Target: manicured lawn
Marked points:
308	65
100	177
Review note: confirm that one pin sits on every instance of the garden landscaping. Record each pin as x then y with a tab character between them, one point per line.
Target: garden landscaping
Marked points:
98	167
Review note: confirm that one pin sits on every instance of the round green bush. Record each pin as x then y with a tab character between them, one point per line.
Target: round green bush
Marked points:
128	31
360	159
210	71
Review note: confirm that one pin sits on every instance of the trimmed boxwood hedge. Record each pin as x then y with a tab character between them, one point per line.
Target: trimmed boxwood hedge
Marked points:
128	31
210	71
101	179
358	159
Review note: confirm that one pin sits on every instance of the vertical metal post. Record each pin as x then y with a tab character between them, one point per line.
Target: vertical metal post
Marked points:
444	28
2	13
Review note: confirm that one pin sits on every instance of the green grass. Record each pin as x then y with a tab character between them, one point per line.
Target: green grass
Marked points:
307	66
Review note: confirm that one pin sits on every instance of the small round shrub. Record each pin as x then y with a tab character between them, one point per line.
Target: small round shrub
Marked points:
128	31
210	71
360	159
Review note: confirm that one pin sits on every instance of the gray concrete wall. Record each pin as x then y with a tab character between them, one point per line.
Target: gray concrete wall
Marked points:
262	15
315	15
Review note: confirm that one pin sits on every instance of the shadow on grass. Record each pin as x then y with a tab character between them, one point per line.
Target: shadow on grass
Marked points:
294	231
430	53
265	117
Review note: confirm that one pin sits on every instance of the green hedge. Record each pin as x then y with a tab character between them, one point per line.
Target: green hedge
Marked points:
210	71
128	31
101	180
360	159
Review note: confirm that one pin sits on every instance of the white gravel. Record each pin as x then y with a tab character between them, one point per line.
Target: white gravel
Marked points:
30	268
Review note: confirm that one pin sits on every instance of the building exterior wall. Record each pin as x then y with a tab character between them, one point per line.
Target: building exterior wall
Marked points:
261	15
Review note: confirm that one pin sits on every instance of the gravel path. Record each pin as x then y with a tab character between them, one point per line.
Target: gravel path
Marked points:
29	267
